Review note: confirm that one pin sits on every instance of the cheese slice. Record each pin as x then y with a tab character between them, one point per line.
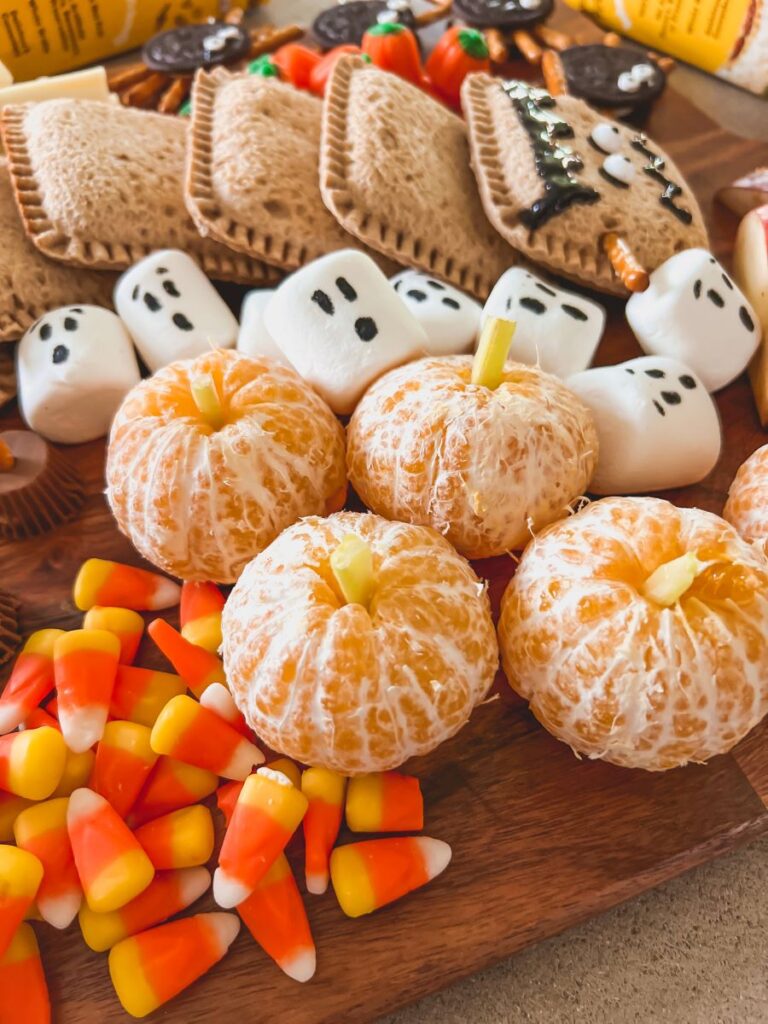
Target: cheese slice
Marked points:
88	84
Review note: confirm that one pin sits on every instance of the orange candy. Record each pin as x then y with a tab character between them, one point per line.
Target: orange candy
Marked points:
23	990
30	681
20	876
181	839
101	582
196	666
140	694
218	699
386	802
200	614
127	625
274	914
39	717
42	831
226	798
124	760
85	664
324	789
171	785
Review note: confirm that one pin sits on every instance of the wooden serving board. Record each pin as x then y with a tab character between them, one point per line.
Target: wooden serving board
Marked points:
541	840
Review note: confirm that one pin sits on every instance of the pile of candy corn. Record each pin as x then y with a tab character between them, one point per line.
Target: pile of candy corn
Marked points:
103	767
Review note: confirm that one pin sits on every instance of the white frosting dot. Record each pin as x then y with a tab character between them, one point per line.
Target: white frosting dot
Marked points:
214	43
642	72
606	137
627	82
530	5
620	167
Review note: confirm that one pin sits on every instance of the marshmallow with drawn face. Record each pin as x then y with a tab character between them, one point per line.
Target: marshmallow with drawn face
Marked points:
253	338
694	312
657	425
341	324
557	330
172	310
450	318
74	367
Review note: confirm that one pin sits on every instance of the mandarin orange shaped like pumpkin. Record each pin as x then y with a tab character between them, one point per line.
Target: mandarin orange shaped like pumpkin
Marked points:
747	505
638	632
354	643
211	458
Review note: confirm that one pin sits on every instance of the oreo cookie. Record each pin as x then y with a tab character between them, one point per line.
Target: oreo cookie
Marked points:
612	76
503	14
181	51
347	23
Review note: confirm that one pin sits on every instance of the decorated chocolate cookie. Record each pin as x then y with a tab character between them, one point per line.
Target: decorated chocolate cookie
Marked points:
181	51
612	76
559	180
347	23
503	14
38	487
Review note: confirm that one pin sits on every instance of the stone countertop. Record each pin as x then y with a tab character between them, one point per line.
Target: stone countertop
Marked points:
693	951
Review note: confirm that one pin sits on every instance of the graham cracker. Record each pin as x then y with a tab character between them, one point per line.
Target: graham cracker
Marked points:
30	284
251	179
101	186
569	242
394	170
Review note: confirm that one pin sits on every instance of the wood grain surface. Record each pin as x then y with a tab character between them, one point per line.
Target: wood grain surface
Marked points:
541	839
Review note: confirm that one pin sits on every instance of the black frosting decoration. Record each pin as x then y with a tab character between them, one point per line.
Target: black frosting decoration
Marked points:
655	169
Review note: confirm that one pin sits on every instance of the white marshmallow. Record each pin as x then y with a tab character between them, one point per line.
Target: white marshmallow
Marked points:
254	339
557	330
341	324
657	426
74	367
450	318
172	310
693	311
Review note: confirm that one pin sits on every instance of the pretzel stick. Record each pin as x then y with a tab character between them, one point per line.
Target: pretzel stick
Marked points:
125	77
497	48
174	95
142	93
276	38
551	38
235	16
625	266
667	64
554	73
441	9
611	39
527	45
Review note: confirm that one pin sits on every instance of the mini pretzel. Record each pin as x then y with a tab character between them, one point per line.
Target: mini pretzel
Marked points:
551	38
124	78
527	45
273	38
497	47
611	39
554	73
174	96
440	9
142	94
625	266
667	64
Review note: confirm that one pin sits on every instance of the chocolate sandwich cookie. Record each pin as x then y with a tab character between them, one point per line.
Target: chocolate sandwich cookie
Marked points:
612	76
347	23
502	14
181	51
38	488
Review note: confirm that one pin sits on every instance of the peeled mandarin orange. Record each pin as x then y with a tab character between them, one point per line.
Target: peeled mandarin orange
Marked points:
483	467
638	632
199	493
747	505
350	686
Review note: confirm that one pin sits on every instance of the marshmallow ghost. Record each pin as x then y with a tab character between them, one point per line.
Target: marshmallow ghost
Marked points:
172	310
341	324
693	311
557	330
74	367
657	425
253	338
450	318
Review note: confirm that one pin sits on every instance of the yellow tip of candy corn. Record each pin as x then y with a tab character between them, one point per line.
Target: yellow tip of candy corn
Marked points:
352	568
667	584
492	352
36	763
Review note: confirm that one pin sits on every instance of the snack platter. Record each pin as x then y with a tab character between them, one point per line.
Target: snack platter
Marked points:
540	840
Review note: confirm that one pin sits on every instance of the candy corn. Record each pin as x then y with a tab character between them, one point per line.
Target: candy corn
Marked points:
140	694
385	802
20	876
30	681
368	875
188	732
112	866
85	664
42	830
150	968
171	785
196	666
218	699
38	717
10	808
324	789
226	798
181	839
52	707
77	772
122	586
23	991
168	893
200	614
127	625
274	914
267	813
32	762
124	759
